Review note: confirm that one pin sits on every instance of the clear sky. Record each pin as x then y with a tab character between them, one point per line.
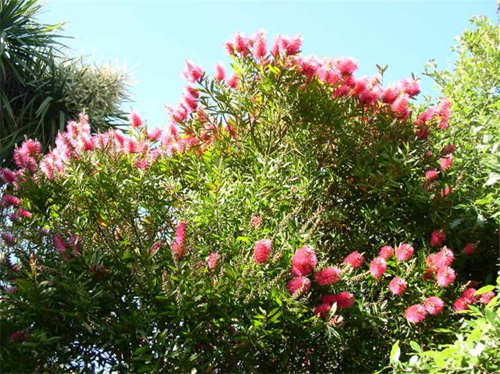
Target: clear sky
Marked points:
153	38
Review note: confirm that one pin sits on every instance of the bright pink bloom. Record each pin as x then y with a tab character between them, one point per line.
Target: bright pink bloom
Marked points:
232	82
293	46
9	200
154	134
432	261
397	286
346	65
444	257
298	284
410	87
259	45
437	238
303	261
135	120
469	249
213	259
328	276
445	276
354	260
445	162
59	244
261	251
345	300
229	48
220	73
8	239
378	266
415	313
462	303
241	43
8	176
386	252
404	252
445	192
431	176
20	213
486	297
443	110
391	93
192	72
470	294
178	246
400	107
434	305
322	310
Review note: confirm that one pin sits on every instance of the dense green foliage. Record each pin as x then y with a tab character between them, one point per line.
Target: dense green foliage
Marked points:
41	89
244	237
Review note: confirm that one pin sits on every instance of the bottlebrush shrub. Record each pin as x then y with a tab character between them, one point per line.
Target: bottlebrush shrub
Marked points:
242	236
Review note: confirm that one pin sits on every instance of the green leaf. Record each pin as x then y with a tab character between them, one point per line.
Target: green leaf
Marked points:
415	346
484	289
395	353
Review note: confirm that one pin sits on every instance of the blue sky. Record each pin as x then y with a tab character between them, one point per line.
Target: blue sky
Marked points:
153	38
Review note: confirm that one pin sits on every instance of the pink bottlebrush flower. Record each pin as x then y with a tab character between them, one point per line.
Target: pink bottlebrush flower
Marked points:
241	44
276	46
293	46
445	276
415	313
155	247
178	246
259	45
8	239
21	213
135	120
229	48
444	193
431	175
328	276
59	244
354	260
192	72
322	310
212	261
386	252
460	304
397	286
360	86
450	148
261	250
410	87
190	104
443	110
346	65
422	132
303	261
400	107
232	82
220	73
256	221
192	92
445	162
17	337
432	261
404	252
469	249
342	91
345	300
444	257
486	297
378	266
298	284
8	176
425	117
437	238
433	305
154	134
9	200
390	94
470	294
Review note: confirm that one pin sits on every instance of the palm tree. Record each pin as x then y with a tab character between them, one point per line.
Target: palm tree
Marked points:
41	89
